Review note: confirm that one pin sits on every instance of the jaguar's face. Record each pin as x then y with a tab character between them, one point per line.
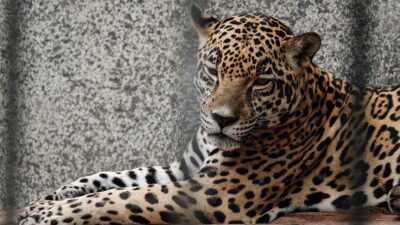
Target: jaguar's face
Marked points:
247	77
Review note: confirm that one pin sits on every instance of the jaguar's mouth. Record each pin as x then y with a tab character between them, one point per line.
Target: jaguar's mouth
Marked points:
223	142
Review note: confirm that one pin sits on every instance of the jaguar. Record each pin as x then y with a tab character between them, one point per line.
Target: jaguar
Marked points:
277	134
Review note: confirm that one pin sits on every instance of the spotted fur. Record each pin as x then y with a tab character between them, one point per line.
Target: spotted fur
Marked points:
289	136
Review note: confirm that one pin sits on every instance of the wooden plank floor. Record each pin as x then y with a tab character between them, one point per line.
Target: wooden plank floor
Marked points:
375	217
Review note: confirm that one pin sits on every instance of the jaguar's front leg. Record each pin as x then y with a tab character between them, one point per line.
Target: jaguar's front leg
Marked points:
191	162
179	202
102	181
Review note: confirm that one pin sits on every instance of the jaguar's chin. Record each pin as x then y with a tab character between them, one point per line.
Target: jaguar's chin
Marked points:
223	142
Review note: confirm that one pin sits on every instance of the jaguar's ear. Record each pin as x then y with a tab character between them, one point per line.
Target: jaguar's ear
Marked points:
203	23
301	49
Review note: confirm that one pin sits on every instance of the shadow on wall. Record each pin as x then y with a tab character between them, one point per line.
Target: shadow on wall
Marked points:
108	86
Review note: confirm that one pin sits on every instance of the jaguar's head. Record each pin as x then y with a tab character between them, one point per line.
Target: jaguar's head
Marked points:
248	74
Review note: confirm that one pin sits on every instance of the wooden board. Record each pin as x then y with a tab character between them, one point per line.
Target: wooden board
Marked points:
375	216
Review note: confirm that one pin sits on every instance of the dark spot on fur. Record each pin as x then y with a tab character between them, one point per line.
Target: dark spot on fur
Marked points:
151	198
264	219
219	216
214	201
180	201
170	217
125	195
315	198
134	208
139	219
117	181
201	217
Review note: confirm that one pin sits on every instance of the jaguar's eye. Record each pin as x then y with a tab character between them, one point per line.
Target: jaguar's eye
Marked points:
262	82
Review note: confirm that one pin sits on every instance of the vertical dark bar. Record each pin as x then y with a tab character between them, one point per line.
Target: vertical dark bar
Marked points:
360	70
12	105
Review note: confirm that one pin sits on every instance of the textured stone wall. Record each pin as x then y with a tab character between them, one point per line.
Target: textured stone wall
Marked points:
99	89
107	85
3	100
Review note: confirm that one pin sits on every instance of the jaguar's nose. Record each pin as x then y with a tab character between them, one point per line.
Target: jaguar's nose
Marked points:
223	120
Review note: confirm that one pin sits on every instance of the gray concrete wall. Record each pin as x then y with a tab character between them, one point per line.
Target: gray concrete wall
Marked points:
108	86
99	89
3	100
